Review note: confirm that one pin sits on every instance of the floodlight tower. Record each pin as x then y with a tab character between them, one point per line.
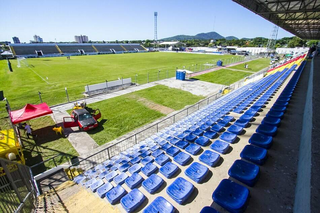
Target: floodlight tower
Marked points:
272	40
155	28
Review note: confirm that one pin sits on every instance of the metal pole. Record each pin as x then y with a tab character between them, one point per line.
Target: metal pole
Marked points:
122	82
67	93
158	74
106	84
8	174
88	89
40	96
136	79
167	74
148	78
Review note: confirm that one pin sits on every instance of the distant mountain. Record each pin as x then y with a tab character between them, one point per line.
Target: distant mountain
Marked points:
231	38
200	36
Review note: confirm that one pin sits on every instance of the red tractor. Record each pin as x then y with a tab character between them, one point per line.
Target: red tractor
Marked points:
83	119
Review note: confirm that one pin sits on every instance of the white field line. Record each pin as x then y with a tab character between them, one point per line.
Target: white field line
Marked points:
39	76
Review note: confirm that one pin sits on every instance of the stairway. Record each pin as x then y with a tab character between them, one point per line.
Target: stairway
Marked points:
69	197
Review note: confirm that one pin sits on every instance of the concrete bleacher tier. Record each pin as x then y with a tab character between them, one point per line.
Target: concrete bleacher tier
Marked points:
228	118
74	48
30	49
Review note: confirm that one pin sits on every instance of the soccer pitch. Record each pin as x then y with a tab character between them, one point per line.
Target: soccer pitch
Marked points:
51	76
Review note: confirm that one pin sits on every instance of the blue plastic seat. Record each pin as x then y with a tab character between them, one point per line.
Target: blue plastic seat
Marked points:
228	137
254	154
180	190
182	158
191	137
267	129
169	169
223	123
145	154
135	160
152	183
134	169
157	152
281	103
149	169
271	121
159	205
173	151
228	118
217	128
109	177
147	160
193	149
220	146
115	194
275	114
102	190
119	180
204	127
278	108
235	129
162	142
94	186
210	134
174	141
182	144
210	158
231	196
244	172
182	136
162	159
154	148
79	178
197	172
198	132
166	146
246	117
132	200
134	180
261	140
208	209
124	167
202	141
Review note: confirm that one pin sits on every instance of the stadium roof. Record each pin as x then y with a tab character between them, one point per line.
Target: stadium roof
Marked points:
301	18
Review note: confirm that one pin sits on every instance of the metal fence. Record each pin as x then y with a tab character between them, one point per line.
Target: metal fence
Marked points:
17	189
124	144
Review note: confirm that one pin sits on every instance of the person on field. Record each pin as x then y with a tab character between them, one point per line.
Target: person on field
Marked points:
28	130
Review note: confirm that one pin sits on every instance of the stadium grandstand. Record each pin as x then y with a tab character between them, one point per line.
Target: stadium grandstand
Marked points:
53	50
254	149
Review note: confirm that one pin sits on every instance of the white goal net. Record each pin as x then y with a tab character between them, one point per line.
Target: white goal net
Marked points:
22	61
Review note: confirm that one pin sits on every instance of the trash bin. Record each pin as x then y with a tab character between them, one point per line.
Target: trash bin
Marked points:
75	161
219	63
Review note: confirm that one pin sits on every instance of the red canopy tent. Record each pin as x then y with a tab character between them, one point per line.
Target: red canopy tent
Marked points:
28	112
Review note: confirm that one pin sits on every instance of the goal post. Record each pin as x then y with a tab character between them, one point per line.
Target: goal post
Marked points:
22	61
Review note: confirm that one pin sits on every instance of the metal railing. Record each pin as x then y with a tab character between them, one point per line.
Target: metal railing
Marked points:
17	190
124	144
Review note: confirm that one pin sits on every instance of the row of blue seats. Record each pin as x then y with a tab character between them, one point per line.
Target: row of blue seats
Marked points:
247	169
155	147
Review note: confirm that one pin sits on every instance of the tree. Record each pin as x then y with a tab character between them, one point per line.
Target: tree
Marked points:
296	42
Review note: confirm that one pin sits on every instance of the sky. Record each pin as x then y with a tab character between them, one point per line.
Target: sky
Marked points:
109	20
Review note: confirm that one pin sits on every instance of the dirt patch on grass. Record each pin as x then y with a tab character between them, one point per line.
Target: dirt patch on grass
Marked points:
151	105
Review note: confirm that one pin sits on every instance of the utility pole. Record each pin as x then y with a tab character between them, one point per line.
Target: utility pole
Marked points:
155	29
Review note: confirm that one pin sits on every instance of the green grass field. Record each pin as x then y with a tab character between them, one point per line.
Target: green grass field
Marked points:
222	76
51	76
254	66
125	113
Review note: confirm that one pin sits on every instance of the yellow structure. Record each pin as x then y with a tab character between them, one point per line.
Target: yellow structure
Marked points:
10	144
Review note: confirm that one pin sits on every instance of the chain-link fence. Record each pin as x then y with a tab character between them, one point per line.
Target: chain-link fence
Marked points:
17	190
